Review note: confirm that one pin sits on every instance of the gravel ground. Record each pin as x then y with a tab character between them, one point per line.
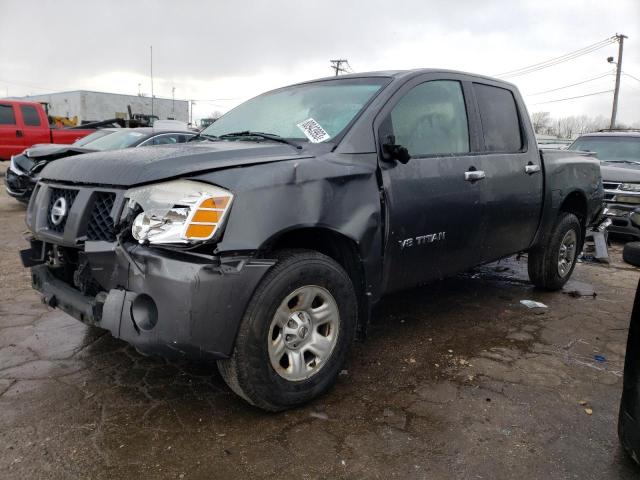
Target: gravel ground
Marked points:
456	380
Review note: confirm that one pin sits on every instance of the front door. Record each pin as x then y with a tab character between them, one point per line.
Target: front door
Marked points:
433	203
34	131
11	141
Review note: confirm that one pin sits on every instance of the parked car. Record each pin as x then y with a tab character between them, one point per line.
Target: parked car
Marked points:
265	244
629	414
23	124
24	169
619	152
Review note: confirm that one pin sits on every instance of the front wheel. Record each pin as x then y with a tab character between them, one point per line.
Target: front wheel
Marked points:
550	265
295	334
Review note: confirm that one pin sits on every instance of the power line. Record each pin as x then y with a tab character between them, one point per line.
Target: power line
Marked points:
555	62
629	75
561	59
571	85
572	98
28	86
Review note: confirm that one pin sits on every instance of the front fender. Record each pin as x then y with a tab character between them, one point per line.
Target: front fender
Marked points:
334	192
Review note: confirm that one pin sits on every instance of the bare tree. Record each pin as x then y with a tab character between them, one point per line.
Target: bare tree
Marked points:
541	122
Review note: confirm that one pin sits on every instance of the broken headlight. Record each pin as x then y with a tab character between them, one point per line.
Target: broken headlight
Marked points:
180	211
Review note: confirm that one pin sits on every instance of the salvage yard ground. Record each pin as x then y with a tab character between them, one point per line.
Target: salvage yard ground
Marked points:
456	380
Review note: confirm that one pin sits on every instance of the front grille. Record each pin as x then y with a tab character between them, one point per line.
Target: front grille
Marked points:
100	225
57	193
611	185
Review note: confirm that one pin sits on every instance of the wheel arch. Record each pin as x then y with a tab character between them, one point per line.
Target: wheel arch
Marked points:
576	203
336	245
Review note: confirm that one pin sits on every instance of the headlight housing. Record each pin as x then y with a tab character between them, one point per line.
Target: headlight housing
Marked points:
13	167
630	187
178	212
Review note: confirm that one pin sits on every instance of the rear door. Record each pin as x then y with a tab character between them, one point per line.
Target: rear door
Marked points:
34	128
433	211
512	190
10	134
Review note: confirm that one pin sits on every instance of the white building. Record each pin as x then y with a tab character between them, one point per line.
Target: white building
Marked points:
91	106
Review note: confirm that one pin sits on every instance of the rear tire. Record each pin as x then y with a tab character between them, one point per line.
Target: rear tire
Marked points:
631	253
551	265
295	334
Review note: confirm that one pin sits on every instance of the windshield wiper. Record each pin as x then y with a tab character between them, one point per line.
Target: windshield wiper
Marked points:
202	135
267	136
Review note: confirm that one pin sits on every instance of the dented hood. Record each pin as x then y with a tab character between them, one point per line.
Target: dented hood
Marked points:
149	164
45	150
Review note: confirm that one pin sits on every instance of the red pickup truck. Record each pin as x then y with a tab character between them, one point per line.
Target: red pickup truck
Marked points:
23	124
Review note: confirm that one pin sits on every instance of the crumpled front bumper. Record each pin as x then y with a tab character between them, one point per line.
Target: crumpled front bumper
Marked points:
162	302
620	221
18	185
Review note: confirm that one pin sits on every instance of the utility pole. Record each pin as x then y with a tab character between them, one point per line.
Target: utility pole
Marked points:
173	101
152	82
337	65
616	92
192	102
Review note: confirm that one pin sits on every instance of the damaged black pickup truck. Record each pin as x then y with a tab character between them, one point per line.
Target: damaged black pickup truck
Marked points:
264	243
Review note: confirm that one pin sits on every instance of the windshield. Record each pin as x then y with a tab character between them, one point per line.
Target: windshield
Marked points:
316	111
116	140
91	137
610	148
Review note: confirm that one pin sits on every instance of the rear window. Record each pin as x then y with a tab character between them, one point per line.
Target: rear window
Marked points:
30	115
7	117
499	116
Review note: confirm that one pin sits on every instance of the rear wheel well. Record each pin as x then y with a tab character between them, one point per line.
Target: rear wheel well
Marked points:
340	248
576	203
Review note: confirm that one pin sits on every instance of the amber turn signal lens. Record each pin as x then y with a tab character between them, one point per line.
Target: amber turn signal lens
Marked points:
217	202
206	216
199	231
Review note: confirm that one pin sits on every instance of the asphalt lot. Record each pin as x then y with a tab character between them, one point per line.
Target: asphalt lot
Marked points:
456	380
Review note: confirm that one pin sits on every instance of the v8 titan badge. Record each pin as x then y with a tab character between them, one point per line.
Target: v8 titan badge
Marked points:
313	130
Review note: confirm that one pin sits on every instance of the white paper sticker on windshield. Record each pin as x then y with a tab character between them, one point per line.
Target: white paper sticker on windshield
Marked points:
314	131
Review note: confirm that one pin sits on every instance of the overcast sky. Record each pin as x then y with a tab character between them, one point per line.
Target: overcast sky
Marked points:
222	52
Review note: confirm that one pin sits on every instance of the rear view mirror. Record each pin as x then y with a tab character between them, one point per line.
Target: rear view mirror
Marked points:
393	151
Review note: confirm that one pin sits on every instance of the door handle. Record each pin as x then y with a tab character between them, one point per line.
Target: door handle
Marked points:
473	175
18	133
531	168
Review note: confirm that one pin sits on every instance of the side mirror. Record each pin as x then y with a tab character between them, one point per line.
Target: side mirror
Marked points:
393	151
634	217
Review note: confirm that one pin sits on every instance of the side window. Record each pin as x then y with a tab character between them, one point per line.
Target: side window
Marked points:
30	116
499	116
164	140
7	116
431	119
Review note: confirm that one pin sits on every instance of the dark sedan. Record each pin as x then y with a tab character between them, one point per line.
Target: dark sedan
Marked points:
24	169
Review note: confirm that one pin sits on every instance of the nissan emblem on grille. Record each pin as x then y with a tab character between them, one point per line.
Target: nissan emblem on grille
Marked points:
58	211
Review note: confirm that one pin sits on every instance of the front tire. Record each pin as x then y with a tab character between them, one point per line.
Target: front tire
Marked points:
551	265
295	334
